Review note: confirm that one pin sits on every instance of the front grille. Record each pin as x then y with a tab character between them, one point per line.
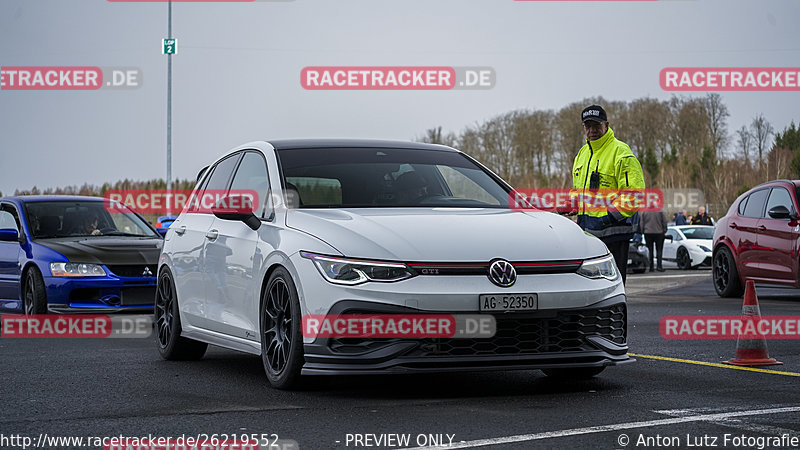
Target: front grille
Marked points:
482	268
566	332
133	270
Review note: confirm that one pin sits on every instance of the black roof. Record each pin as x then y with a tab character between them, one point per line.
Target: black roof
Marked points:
286	144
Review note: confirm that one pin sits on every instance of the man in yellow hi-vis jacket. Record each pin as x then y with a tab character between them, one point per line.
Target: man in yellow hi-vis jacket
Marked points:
607	183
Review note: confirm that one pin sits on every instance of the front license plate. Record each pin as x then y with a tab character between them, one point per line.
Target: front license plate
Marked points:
138	296
508	302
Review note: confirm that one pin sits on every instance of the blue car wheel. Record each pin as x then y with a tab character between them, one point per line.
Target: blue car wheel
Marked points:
35	299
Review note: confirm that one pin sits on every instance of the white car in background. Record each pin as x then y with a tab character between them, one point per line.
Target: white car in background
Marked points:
689	246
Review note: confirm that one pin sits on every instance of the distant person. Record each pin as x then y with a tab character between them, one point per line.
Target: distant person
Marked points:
702	218
654	226
680	218
607	164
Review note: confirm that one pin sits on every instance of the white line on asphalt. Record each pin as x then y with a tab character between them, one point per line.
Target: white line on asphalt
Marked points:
731	422
658	277
767	430
613	427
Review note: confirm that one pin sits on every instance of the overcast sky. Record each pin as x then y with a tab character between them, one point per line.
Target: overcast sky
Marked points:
236	77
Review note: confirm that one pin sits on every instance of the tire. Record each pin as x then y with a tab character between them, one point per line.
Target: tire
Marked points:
579	373
34	296
167	322
724	274
684	260
281	339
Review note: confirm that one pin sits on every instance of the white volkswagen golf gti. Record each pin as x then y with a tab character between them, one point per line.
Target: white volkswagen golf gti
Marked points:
360	228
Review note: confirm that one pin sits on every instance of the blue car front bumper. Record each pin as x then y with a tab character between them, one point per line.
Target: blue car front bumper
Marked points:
100	294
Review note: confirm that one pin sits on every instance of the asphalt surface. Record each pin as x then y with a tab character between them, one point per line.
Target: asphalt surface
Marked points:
121	387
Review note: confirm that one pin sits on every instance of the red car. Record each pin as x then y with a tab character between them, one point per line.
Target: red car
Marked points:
759	239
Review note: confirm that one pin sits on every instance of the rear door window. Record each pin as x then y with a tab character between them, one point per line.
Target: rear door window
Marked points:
755	204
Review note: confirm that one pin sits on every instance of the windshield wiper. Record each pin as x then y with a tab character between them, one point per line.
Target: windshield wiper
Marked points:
121	233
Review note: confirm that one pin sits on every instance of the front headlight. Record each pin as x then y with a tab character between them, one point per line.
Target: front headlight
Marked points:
604	267
66	269
704	248
352	271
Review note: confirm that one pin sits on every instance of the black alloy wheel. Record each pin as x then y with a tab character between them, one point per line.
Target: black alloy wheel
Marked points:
281	340
725	275
34	296
171	345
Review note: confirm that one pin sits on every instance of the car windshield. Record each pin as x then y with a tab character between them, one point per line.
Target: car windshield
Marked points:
83	218
698	233
386	177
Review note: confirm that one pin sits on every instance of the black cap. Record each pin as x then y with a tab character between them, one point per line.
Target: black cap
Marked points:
594	112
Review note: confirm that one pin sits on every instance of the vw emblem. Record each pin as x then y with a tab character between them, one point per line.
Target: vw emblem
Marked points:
502	273
147	272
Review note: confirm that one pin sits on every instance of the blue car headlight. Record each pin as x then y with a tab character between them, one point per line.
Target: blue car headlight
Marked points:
353	271
704	248
603	267
67	269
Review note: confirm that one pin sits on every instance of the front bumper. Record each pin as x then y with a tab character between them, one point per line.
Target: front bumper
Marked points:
593	336
700	258
106	294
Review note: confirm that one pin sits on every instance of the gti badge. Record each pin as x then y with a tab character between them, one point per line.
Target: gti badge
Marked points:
147	272
502	273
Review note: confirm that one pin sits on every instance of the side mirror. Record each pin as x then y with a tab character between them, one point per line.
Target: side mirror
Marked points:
9	235
668	238
237	207
781	212
248	218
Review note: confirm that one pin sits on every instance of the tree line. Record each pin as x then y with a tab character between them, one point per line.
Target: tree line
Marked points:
681	143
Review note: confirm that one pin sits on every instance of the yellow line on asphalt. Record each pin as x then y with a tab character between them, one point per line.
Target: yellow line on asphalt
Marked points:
724	366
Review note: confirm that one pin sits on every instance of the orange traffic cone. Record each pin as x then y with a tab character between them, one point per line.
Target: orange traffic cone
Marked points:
752	351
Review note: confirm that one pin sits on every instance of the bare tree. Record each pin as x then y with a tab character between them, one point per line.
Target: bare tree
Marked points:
690	127
717	113
761	130
745	143
648	126
533	142
435	136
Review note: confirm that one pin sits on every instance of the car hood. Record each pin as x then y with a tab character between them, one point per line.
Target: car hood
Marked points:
447	234
111	250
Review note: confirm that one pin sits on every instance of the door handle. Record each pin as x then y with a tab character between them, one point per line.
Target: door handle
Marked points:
212	234
180	230
762	228
732	225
